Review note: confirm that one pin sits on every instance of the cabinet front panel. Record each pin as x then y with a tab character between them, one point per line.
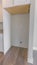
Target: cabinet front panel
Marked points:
21	2
8	3
1	43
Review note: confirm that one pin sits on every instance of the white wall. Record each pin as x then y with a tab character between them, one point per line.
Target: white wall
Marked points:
35	28
1	38
20	30
31	29
1	26
1	42
7	30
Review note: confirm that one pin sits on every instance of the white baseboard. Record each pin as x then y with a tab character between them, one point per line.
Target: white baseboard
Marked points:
34	48
19	45
30	60
7	50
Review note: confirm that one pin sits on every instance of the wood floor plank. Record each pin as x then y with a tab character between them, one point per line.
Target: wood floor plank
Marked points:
15	56
1	56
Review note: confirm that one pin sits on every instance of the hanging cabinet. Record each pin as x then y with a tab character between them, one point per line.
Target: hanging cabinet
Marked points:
17	6
8	3
21	2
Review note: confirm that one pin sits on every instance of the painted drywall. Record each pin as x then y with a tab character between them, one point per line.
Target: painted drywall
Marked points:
1	42
1	26
20	30
6	30
35	28
31	29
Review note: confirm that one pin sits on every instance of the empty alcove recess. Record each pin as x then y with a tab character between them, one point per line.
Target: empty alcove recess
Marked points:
21	9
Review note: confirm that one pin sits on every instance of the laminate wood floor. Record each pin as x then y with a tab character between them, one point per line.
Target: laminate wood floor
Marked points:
1	56
15	56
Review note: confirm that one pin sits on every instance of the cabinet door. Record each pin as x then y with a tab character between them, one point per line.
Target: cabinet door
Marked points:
8	3
27	2
21	2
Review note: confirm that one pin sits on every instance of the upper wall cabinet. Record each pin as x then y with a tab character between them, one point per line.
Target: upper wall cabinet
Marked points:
17	6
21	2
8	3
